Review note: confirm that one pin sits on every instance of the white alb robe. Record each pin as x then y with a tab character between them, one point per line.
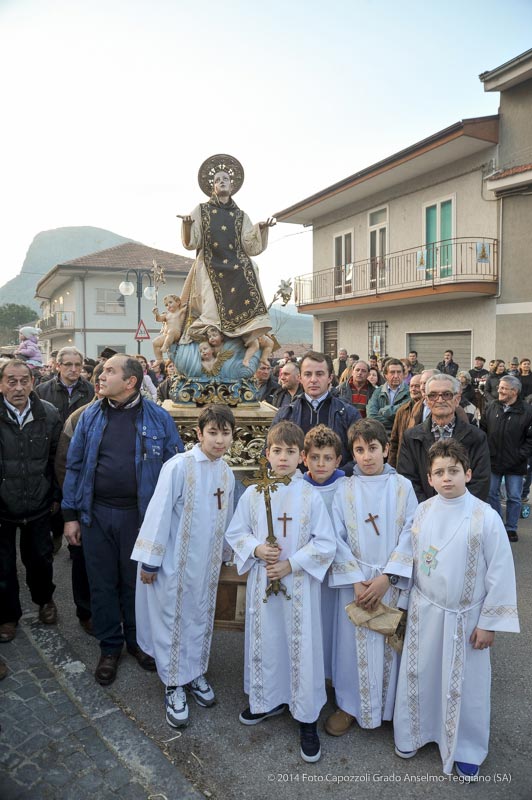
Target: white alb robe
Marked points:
365	667
463	578
283	661
183	534
329	596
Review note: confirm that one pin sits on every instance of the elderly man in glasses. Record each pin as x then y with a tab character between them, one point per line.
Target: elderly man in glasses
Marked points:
442	395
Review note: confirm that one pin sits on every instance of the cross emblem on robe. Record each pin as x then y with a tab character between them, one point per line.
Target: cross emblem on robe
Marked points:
372	519
284	519
218	494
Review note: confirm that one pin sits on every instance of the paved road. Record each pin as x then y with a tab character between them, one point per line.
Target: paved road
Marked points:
225	760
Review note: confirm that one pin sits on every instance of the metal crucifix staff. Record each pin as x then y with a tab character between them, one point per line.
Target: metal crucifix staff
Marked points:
266	482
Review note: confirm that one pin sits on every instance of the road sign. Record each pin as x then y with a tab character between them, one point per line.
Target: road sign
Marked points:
142	332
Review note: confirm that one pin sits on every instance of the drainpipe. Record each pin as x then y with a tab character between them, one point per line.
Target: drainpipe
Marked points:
499	290
84	314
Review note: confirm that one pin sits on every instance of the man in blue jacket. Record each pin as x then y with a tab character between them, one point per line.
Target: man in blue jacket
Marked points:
317	405
114	459
388	398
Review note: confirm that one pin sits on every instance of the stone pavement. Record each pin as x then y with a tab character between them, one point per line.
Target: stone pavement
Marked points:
123	730
63	737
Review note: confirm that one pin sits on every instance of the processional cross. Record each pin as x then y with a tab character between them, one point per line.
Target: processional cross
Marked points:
372	519
266	482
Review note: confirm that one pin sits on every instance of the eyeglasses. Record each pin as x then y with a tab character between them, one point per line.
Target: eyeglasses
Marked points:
70	365
432	396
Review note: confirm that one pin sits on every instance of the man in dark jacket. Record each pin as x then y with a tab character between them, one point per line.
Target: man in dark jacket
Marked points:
265	383
442	397
508	425
448	366
29	433
290	385
316	405
67	391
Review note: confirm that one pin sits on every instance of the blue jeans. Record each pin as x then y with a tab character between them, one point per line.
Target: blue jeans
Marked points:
527	481
514	486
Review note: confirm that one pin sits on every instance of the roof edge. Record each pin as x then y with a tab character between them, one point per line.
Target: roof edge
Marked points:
473	126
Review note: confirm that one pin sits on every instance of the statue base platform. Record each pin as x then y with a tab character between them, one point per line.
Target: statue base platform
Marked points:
230	613
252	424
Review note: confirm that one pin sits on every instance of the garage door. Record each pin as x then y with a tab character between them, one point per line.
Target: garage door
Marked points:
431	347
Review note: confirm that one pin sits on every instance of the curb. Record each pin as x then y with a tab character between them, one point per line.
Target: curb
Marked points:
135	750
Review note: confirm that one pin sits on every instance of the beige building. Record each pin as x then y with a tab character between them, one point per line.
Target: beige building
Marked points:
81	304
431	248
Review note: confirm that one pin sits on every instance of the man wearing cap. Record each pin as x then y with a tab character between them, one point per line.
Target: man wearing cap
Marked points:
222	289
478	372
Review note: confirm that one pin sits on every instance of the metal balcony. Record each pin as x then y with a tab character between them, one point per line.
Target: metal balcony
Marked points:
455	263
59	320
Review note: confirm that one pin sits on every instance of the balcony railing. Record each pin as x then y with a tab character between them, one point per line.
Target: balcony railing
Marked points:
59	320
452	261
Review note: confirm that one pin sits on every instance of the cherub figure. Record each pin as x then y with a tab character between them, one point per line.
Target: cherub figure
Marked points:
173	320
266	343
215	338
208	357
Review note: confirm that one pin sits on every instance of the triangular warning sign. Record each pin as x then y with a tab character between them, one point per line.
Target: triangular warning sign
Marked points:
142	332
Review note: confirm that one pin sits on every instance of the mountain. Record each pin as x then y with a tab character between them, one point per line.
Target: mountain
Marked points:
53	247
56	246
289	326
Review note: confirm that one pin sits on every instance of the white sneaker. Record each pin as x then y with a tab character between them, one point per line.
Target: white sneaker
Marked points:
202	692
175	701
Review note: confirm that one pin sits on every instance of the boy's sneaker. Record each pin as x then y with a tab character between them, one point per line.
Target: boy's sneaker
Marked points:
405	753
310	742
469	772
247	718
201	691
175	701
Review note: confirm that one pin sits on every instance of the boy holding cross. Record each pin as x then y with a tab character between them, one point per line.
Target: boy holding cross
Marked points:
282	534
372	516
179	550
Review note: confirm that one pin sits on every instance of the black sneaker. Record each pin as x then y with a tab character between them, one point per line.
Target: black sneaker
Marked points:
247	718
512	536
310	742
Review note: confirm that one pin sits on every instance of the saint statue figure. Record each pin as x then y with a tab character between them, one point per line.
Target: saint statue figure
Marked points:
223	288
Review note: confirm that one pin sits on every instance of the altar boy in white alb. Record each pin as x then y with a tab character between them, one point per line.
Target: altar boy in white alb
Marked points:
283	661
179	550
372	515
464	591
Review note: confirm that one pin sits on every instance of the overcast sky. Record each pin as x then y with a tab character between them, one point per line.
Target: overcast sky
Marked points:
110	106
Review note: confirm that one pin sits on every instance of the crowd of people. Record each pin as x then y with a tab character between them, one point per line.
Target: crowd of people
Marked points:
378	505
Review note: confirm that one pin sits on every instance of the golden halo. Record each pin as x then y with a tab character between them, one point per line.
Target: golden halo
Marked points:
218	163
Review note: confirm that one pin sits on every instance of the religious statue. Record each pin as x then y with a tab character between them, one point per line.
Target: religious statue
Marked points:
222	298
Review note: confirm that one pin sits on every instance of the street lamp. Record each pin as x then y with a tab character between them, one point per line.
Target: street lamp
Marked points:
127	288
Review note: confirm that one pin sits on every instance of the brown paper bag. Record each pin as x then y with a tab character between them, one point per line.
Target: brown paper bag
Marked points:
384	619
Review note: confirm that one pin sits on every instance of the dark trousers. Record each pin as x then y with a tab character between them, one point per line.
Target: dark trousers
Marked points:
107	546
80	582
36	553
